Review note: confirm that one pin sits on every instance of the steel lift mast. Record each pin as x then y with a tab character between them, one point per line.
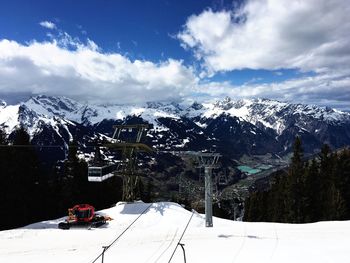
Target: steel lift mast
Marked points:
208	161
128	141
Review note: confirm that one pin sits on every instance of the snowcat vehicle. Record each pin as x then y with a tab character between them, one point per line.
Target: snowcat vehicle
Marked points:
83	215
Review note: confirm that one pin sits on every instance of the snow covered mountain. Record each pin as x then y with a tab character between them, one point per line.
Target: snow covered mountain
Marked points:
154	236
234	128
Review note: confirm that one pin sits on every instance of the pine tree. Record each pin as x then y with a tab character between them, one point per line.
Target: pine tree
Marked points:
309	193
336	202
74	181
277	202
326	183
250	208
343	178
311	201
24	174
294	185
5	177
3	137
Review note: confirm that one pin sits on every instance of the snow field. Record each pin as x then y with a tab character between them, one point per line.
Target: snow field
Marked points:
153	238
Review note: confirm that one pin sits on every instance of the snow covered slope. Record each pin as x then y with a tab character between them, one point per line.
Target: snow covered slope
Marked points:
91	114
273	114
154	236
269	113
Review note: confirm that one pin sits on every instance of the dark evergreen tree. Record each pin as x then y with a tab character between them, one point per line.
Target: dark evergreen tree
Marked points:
326	182
336	204
294	184
343	179
3	137
5	177
277	203
28	195
256	207
24	177
74	184
312	191
311	200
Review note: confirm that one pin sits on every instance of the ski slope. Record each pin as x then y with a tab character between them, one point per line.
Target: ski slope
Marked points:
154	236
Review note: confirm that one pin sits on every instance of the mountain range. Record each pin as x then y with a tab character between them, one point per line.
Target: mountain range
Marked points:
232	127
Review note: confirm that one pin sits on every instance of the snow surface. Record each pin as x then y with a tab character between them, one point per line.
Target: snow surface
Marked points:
50	106
154	236
9	117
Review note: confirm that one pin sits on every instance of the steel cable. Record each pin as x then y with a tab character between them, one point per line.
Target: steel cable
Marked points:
126	229
183	233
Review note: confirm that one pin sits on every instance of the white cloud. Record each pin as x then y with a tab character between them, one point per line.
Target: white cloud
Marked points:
271	34
47	24
66	66
310	35
82	71
326	90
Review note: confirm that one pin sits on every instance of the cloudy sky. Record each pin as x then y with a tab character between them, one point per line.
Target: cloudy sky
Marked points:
131	51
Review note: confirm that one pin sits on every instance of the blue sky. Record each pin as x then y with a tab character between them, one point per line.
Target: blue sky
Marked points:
143	29
170	50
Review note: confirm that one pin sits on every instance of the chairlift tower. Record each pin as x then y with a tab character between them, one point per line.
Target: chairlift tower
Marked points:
208	161
127	139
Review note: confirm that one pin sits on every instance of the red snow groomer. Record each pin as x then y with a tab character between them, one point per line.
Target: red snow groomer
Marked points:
83	215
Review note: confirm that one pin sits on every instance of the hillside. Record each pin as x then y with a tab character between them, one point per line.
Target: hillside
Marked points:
154	236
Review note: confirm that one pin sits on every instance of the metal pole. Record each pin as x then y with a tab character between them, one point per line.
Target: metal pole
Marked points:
208	197
183	249
103	253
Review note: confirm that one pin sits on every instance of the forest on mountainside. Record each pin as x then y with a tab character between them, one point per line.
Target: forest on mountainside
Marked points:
30	194
309	191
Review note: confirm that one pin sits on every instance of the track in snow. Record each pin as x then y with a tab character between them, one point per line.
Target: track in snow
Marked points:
160	246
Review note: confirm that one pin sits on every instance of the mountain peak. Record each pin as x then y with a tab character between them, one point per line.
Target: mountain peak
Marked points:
3	103
55	102
262	113
261	123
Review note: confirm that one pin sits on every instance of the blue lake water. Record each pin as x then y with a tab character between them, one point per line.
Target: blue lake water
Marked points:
248	170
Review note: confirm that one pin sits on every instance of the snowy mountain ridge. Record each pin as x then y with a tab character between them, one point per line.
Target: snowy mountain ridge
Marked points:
269	113
69	109
254	126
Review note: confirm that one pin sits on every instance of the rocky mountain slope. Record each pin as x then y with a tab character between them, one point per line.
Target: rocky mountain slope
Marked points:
234	128
254	135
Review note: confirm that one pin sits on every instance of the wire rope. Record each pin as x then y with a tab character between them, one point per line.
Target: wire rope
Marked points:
116	239
183	233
